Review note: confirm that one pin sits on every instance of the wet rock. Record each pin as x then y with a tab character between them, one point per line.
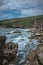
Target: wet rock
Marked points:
10	52
2	44
1	57
2	41
2	38
26	63
7	52
40	58
17	32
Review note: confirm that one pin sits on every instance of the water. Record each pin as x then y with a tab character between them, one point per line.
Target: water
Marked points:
20	36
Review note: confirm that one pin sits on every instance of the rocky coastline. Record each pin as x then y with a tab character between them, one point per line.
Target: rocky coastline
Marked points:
35	57
8	51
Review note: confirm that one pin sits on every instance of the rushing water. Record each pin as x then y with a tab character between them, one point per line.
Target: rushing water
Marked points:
20	36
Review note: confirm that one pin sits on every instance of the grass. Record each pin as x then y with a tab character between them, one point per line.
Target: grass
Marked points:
22	22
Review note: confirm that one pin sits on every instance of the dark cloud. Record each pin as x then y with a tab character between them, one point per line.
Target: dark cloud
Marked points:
1	3
20	4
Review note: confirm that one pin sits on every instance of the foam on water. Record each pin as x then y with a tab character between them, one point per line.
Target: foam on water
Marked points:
24	43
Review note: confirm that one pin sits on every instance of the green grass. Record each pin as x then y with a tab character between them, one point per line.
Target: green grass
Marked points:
22	22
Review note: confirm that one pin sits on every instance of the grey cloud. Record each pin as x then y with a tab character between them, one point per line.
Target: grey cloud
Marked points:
20	4
32	12
26	7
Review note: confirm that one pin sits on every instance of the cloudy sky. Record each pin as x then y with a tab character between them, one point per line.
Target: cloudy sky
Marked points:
20	8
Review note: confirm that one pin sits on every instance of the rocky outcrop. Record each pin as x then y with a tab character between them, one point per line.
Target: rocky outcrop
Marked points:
32	57
35	57
10	52
40	53
2	44
7	52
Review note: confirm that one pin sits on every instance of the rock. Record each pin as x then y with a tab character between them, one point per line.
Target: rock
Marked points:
1	57
32	58
40	58
35	57
17	32
31	55
40	39
2	41
40	48
7	52
26	63
2	44
2	38
5	62
40	53
10	52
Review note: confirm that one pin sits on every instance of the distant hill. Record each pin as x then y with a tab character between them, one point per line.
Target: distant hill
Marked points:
26	22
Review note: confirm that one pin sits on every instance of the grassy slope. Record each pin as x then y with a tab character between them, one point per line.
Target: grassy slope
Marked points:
22	22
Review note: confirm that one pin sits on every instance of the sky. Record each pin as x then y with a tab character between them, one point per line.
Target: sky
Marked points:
20	8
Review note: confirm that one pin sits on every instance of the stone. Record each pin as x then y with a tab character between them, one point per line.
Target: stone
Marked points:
40	53
5	62
10	52
2	38
40	47
2	44
40	58
7	52
32	57
35	57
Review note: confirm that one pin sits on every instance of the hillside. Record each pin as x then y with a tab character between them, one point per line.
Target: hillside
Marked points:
35	21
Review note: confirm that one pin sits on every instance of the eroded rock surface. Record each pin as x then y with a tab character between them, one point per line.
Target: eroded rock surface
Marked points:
35	57
40	53
2	44
7	52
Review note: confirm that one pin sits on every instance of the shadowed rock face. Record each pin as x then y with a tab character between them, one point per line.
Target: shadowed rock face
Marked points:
2	38
7	52
2	44
10	51
2	41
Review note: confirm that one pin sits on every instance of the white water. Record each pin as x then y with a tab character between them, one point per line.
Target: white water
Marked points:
22	38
